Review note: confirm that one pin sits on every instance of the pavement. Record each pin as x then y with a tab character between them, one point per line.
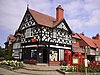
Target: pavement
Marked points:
41	67
4	71
32	70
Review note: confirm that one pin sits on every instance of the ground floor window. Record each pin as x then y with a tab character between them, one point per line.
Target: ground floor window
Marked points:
53	55
61	54
97	58
34	54
17	53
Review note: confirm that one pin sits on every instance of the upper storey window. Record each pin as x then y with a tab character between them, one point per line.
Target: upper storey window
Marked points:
28	33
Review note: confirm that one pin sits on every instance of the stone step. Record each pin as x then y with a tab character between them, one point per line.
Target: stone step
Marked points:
42	64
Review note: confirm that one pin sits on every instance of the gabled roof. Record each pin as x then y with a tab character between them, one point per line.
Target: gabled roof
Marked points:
87	40
66	25
46	20
42	19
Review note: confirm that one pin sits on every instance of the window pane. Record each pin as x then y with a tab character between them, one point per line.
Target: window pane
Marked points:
53	55
61	54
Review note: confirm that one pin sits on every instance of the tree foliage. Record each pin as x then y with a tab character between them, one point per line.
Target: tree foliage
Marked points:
7	54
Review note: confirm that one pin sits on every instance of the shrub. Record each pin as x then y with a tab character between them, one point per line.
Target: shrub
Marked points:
68	68
15	64
90	68
7	54
1	53
63	63
81	68
94	69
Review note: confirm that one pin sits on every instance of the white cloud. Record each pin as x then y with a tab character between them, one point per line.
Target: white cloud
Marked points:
83	14
43	6
11	14
94	19
75	23
73	8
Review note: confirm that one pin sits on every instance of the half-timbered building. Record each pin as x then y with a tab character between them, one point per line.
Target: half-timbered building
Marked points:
43	38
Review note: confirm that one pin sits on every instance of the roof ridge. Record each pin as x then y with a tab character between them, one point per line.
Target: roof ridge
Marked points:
42	13
42	19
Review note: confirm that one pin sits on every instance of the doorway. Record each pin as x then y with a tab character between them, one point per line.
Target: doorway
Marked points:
45	56
26	54
42	55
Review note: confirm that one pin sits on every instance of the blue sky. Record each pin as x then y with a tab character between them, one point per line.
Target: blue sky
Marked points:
81	15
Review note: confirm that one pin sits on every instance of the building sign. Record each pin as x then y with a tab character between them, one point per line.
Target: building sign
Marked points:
54	46
75	60
86	64
53	56
34	40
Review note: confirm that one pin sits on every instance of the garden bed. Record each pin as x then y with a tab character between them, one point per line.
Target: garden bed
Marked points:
81	68
77	73
11	64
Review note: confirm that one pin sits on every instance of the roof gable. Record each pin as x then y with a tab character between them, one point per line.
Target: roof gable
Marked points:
63	25
38	18
27	21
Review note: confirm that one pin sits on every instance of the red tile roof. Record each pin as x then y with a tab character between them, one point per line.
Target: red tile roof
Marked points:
97	37
11	38
87	40
74	35
42	19
97	43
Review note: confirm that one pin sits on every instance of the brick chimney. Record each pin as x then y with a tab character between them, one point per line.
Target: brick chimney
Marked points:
82	33
59	13
97	37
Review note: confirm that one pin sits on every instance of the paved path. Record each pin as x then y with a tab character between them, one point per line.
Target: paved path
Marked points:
32	70
41	67
27	72
23	71
8	72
